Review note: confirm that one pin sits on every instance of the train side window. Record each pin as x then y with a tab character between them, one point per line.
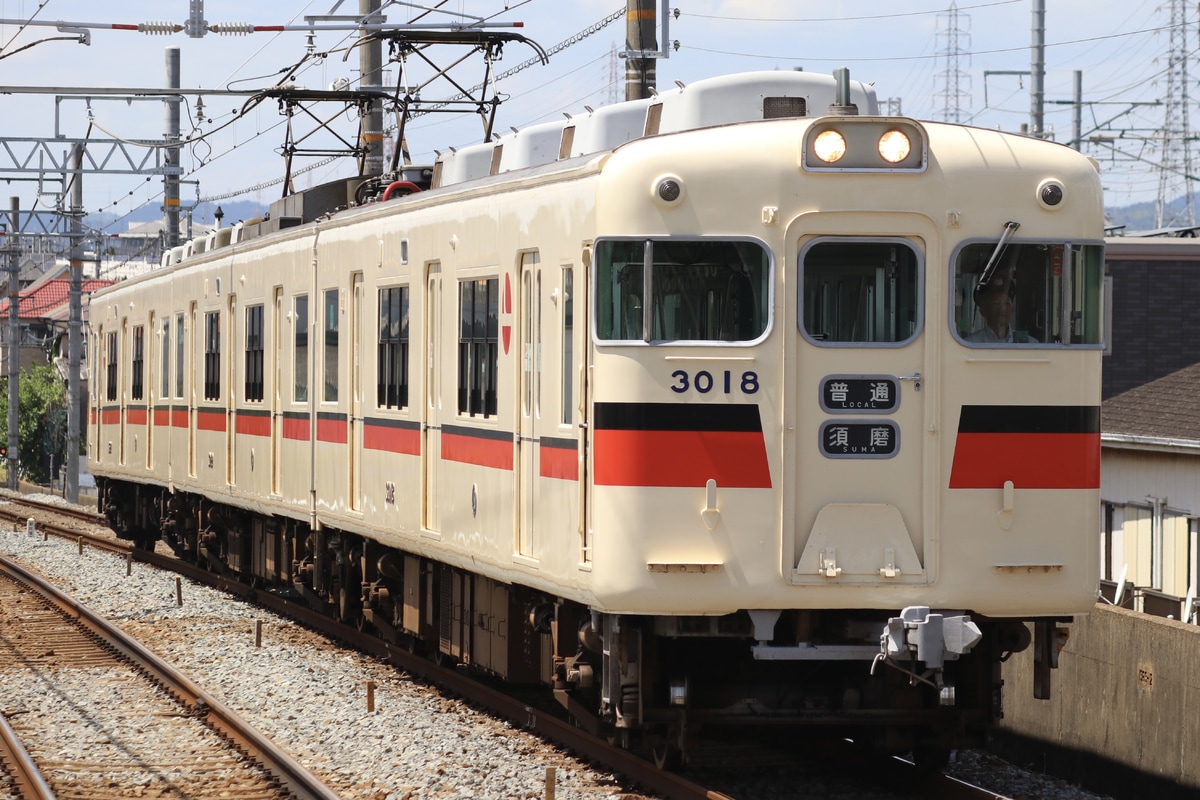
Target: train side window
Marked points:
700	290
137	383
300	371
392	381
212	355
110	365
568	342
180	350
254	354
478	355
331	346
94	378
165	349
1034	294
862	292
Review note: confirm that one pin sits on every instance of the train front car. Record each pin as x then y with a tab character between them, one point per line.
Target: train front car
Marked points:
844	438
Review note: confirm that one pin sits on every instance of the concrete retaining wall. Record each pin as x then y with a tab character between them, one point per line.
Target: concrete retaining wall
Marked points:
1124	713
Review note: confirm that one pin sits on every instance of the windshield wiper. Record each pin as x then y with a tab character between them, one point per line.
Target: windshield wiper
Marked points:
1010	228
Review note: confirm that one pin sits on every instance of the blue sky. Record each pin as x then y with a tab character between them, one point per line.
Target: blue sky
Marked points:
1121	49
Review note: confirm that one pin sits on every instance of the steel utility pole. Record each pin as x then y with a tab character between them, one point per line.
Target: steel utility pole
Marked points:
14	344
74	329
371	74
1037	72
171	179
640	68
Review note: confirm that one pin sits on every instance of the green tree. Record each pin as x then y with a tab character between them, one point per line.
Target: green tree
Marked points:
40	394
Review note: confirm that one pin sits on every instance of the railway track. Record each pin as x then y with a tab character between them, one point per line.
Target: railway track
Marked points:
102	717
888	773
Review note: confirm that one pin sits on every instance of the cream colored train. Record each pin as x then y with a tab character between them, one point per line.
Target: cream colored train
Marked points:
741	405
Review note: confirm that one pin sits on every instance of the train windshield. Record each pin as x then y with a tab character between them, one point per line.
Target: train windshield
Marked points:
700	290
864	292
1034	294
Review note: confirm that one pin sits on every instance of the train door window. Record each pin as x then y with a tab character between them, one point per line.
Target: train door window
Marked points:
478	356
1029	293
165	350
861	292
331	346
110	376
180	349
568	341
700	290
254	354
537	344
94	376
392	380
137	383
300	373
212	355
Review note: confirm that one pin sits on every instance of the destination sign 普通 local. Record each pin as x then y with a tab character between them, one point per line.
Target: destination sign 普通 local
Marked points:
870	394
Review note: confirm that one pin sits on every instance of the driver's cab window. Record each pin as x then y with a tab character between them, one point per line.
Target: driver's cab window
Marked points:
1028	294
860	291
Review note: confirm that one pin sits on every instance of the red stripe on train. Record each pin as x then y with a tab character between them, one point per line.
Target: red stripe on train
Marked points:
734	459
1029	460
495	453
406	441
295	428
558	462
136	416
210	420
334	431
179	417
162	417
253	425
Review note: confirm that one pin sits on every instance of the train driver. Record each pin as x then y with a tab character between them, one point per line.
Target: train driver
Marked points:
995	303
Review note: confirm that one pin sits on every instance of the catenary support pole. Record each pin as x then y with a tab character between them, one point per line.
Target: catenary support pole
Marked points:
640	37
371	66
74	329
1037	72
171	179
14	338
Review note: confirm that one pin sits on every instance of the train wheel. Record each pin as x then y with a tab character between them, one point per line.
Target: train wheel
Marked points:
930	754
667	756
349	607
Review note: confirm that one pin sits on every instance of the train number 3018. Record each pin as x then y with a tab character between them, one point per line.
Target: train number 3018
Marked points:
704	382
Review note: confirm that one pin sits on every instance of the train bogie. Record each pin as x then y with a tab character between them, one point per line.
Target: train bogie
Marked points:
726	397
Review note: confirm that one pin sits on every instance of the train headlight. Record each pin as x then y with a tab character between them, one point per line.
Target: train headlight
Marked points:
894	146
864	144
829	146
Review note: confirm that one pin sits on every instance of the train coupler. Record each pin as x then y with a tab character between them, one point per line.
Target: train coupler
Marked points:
929	638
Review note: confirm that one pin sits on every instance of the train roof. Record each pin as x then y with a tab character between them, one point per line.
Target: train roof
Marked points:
724	100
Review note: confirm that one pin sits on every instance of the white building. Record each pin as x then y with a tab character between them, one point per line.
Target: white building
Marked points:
1150	484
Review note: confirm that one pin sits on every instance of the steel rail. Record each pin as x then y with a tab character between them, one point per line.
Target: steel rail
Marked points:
290	773
28	778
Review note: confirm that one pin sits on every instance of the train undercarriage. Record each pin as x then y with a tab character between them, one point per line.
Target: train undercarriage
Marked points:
656	684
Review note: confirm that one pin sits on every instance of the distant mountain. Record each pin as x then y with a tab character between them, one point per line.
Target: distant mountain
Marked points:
1140	216
201	215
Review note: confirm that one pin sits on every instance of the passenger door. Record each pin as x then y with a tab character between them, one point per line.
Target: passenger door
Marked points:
527	439
355	424
431	446
858	362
